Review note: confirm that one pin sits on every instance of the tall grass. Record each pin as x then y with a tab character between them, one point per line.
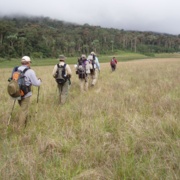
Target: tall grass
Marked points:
126	127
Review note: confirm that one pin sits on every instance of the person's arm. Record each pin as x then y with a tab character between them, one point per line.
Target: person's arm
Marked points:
33	78
68	71
54	71
97	64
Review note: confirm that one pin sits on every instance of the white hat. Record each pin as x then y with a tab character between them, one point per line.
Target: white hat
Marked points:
25	59
93	53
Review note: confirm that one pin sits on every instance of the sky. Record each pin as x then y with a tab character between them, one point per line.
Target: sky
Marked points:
161	16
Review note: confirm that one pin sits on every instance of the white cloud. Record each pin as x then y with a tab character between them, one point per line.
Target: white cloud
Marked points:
149	15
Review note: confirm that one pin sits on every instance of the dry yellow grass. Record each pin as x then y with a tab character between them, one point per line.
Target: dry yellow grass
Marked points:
126	127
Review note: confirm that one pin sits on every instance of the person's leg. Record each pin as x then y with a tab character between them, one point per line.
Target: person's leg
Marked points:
113	68
86	81
64	92
24	108
94	77
81	84
60	91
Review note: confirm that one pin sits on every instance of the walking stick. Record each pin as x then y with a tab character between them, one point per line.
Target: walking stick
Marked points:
11	112
37	98
38	94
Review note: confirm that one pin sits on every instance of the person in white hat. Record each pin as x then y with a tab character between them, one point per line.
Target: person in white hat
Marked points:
63	80
95	68
24	101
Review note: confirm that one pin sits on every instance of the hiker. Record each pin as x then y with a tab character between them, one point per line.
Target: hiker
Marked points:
83	71
62	73
95	68
113	63
24	101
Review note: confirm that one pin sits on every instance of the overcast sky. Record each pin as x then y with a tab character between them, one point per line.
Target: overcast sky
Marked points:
142	15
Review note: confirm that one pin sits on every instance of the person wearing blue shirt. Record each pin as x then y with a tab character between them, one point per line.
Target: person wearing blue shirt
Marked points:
95	68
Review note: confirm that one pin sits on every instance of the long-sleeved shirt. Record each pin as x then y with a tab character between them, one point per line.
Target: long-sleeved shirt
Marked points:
97	63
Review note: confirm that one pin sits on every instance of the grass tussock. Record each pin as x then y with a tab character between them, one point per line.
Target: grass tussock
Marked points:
126	127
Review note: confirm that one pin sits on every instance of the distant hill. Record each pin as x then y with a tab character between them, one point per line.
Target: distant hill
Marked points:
46	37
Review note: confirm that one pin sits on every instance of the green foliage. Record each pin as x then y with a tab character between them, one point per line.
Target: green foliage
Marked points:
37	55
28	36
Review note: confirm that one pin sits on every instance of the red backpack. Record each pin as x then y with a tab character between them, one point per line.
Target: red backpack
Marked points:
113	62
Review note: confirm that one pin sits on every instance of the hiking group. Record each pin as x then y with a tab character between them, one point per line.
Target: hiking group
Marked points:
23	77
87	69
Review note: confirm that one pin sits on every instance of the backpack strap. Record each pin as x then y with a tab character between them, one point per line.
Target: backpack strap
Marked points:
25	69
63	66
28	88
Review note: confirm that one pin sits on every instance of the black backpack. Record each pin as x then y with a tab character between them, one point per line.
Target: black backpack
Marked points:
81	70
61	77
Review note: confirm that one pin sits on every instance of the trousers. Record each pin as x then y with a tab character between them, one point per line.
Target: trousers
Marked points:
63	92
23	113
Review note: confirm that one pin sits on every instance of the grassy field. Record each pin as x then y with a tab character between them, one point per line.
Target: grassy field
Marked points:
126	127
121	57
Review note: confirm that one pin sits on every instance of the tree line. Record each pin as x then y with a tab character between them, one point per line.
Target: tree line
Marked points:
43	37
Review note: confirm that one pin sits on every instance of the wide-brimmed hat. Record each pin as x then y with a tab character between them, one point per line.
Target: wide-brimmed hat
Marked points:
62	57
25	59
13	89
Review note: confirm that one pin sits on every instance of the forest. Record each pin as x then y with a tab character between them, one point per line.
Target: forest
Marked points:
43	37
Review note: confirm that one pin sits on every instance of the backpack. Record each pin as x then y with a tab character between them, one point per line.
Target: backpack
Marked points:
113	62
17	87
81	70
61	77
92	70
